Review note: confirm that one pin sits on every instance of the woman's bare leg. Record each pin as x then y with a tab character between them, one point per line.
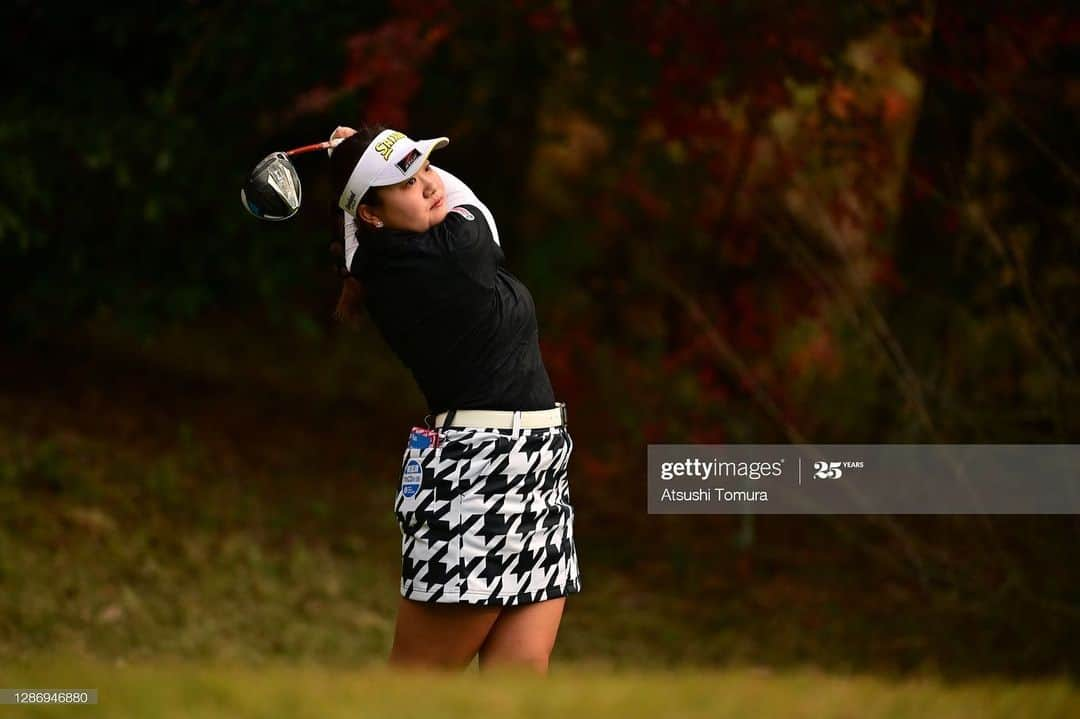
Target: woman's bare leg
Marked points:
523	636
439	636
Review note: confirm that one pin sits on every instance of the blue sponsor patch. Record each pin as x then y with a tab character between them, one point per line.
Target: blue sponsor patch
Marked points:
410	478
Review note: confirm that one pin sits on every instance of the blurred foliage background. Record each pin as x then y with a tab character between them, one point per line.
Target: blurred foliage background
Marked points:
742	222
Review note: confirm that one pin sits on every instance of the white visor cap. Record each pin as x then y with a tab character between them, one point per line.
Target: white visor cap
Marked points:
390	158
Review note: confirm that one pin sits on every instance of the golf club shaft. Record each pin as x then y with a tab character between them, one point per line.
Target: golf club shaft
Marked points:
317	146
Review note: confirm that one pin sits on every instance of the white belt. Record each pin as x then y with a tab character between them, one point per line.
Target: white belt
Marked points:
504	419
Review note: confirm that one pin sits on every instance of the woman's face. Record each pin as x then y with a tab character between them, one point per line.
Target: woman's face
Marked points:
417	204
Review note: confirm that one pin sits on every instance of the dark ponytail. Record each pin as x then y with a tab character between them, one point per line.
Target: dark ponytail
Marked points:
342	162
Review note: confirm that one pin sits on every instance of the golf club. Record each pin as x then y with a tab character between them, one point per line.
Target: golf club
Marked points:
272	190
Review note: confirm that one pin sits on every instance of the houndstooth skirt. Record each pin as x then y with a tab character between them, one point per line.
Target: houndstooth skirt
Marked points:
485	517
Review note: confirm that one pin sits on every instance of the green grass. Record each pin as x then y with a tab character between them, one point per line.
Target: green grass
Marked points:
126	554
170	689
237	605
133	556
169	525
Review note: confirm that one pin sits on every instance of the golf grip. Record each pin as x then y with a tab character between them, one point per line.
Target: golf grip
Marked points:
317	146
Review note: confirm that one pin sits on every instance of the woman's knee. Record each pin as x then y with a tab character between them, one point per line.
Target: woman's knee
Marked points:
439	636
442	658
535	661
523	636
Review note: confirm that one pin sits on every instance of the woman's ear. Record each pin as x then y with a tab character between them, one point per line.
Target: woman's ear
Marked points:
364	213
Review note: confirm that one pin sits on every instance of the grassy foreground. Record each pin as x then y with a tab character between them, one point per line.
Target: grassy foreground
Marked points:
171	689
195	543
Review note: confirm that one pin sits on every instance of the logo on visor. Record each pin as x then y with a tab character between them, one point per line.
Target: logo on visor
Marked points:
350	200
407	161
386	146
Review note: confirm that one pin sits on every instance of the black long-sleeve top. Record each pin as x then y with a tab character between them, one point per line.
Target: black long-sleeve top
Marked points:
452	313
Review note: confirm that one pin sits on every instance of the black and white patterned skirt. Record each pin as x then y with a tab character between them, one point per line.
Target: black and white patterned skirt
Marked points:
485	517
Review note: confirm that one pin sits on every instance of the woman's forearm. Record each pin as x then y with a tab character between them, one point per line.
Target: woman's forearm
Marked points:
458	193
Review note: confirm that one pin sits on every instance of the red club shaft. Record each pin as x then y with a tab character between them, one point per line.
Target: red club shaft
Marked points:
317	146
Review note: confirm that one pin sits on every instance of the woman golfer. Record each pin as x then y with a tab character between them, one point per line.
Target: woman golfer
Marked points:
487	551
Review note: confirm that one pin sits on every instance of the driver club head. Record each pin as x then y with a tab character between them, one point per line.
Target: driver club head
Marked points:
272	191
